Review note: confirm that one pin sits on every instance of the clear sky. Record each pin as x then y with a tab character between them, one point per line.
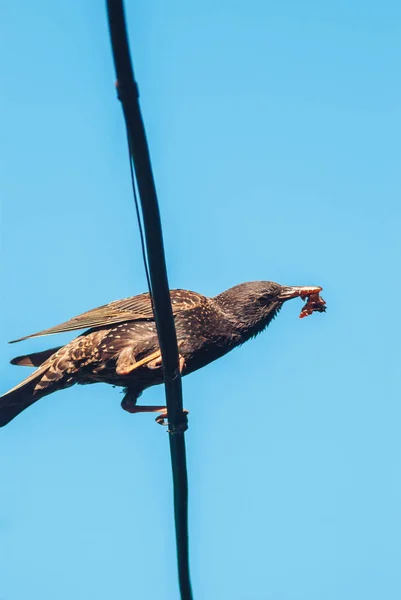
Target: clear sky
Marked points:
274	130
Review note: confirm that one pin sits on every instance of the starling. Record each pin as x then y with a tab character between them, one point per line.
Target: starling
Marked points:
120	346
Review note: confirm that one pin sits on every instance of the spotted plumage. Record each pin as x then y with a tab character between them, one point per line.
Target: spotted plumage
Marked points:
121	345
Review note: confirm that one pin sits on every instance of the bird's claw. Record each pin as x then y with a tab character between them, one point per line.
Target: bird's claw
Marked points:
162	418
180	427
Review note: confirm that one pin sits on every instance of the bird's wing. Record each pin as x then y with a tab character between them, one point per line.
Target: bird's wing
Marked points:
136	308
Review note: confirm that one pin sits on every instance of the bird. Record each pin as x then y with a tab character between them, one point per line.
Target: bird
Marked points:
120	345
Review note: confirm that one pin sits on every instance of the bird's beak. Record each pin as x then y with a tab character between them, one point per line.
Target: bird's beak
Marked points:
298	291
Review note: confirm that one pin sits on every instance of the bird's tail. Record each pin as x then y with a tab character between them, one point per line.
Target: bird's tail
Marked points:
12	404
35	359
20	397
45	380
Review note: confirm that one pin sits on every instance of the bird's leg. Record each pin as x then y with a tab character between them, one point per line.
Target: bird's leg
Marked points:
153	361
129	404
127	366
126	361
145	409
161	419
153	364
130	398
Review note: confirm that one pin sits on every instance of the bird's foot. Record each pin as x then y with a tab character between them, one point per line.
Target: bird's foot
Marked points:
162	420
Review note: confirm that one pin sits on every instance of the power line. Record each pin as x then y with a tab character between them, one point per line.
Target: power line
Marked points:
140	227
128	94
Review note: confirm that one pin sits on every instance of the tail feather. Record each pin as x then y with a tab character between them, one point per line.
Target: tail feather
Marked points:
45	380
14	406
33	378
13	402
35	359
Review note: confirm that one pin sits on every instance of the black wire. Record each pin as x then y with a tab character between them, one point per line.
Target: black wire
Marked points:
139	219
153	238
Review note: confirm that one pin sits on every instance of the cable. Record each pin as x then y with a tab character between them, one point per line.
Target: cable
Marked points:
128	94
138	216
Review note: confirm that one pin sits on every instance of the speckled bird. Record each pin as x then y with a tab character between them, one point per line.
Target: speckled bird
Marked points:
121	347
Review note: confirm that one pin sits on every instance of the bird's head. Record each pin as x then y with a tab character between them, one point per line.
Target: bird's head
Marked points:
256	303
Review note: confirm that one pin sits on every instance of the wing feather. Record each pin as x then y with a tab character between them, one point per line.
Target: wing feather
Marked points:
136	308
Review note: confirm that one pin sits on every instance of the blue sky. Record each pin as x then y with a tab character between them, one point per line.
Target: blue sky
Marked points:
274	131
